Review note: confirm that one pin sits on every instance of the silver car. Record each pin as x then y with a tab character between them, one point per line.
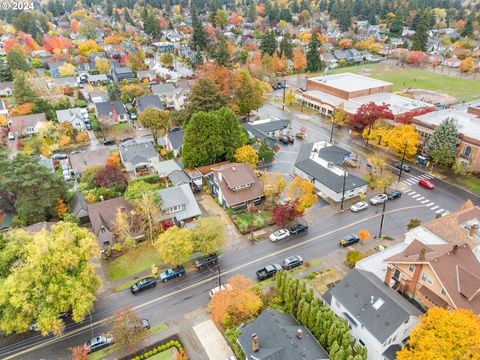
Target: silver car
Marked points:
378	199
359	206
279	235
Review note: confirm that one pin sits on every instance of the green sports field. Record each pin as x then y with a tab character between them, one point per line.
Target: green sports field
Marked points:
403	78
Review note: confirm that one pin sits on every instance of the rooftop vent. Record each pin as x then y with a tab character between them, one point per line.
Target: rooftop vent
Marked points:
299	333
378	304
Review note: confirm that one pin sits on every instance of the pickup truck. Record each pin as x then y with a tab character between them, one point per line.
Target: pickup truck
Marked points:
172	273
268	271
210	260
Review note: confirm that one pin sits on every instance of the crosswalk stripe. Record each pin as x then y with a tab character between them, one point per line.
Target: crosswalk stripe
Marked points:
428	176
428	205
409	182
420	198
410	192
425	201
439	211
415	196
416	177
435	207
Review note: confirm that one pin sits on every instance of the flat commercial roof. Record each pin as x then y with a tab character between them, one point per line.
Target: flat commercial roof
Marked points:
350	82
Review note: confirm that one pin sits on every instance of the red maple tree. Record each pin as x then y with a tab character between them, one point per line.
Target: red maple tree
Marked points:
284	213
367	114
409	115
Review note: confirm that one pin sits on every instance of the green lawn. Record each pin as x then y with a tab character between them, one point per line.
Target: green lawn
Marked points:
470	181
164	355
403	78
258	220
134	261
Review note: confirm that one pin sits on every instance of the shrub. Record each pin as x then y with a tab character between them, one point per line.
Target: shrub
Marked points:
352	258
154	351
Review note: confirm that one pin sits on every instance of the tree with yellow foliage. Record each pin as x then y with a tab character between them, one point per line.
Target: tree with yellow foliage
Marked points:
273	185
444	334
303	191
79	14
114	160
466	65
398	136
66	69
247	154
89	46
102	64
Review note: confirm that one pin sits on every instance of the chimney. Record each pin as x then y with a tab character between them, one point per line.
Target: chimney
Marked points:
472	230
299	333
421	255
371	299
255	342
454	250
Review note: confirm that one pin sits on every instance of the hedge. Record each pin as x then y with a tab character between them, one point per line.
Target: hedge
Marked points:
159	349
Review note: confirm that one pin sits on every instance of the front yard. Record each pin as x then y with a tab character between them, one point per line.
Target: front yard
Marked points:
259	218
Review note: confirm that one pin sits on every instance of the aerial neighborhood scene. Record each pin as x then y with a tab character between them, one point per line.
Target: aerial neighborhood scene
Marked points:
240	180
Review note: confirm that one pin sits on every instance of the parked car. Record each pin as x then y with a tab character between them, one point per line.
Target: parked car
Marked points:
34	326
349	240
133	116
279	235
284	140
219	288
426	183
11	136
404	167
88	126
172	273
109	142
143	284
291	139
292	262
298	228
378	199
59	156
268	271
359	206
97	343
275	87
395	194
210	260
144	323
126	138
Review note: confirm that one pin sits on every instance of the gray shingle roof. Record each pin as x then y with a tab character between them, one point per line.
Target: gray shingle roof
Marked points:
323	174
137	152
270	126
176	139
178	177
105	107
278	341
144	102
180	195
334	154
355	293
163	89
259	134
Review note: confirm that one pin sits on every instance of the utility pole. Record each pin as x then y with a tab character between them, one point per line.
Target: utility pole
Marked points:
284	87
403	160
343	188
381	220
331	131
219	277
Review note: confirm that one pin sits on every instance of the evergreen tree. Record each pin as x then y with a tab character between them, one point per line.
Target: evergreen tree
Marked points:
199	37
421	35
286	46
396	29
220	54
442	144
314	63
5	73
114	92
152	26
249	93
127	16
268	43
205	96
16	59
252	11
116	17
22	91
305	313
468	28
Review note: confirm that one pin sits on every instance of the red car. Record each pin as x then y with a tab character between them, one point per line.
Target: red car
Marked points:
426	183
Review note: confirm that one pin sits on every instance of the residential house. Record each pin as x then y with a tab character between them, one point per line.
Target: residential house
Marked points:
27	124
139	158
178	204
442	275
196	179
47	162
6	88
83	160
102	216
166	91
73	116
79	207
65	82
97	80
468	122
275	335
173	141
321	163
122	73
111	112
101	96
54	68
179	177
149	75
379	318
164	168
164	46
144	102
235	185
267	129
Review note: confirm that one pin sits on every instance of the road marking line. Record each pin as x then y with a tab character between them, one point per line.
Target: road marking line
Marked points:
435	207
425	201
439	211
411	192
420	198
408	182
428	205
415	196
202	282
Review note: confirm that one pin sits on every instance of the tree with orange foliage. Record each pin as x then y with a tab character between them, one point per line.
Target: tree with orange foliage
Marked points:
279	64
62	209
55	44
75	26
9	43
363	234
81	137
299	60
467	65
303	191
23	109
64	141
222	76
114	160
237	303
79	353
345	44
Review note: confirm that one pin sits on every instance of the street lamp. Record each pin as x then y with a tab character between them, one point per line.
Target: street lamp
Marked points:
403	160
382	219
284	86
343	188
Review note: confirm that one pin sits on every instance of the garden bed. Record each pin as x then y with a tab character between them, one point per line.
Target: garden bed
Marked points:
251	221
158	350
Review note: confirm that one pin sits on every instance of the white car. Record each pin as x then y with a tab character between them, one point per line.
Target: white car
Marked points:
359	206
219	288
279	235
11	136
378	199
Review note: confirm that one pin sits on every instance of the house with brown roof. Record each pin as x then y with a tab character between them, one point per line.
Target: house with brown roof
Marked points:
102	215
443	275
27	124
235	185
84	160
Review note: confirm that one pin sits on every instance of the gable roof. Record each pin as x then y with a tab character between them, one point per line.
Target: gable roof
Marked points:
144	102
103	213
176	139
163	89
179	177
67	115
164	168
456	267
104	108
277	339
356	292
137	152
177	196
79	205
19	123
270	126
83	160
